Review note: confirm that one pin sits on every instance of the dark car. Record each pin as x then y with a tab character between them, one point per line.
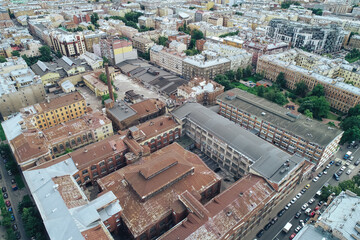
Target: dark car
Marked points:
15	227
303	190
260	233
0	176
356	146
274	220
339	173
267	226
357	162
338	163
297	215
282	211
3	189
320	174
10	209
348	146
12	217
332	162
17	235
13	181
8	203
5	195
306	219
320	203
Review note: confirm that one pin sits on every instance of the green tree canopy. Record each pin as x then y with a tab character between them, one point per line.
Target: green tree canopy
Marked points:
308	113
276	97
162	40
355	111
2	59
301	89
280	80
45	52
15	53
230	75
196	34
349	122
239	74
317	91
317	105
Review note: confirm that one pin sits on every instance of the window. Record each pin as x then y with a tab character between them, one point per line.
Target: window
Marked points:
90	135
86	178
85	171
61	147
110	160
102	164
73	142
67	144
79	140
76	176
84	138
117	157
55	149
93	167
103	170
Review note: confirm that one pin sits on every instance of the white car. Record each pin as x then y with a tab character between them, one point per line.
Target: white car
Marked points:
347	163
348	172
293	200
304	207
298	195
315	179
342	168
328	166
312	200
324	172
287	206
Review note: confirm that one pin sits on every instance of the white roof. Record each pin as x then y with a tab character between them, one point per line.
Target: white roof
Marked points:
12	127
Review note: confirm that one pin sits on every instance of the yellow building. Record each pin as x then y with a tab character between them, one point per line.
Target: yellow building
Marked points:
93	82
56	111
233	41
46	71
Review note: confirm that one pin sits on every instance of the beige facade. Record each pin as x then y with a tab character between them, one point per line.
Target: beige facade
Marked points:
167	58
197	66
69	44
142	44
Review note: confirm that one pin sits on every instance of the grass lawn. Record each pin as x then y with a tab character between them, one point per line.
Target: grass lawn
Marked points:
2	134
19	181
332	116
252	78
351	60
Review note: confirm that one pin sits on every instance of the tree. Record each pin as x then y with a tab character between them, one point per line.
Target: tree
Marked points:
103	78
223	80
45	52
106	96
301	89
230	75
162	40
317	91
79	29
15	53
248	71
94	18
58	54
355	111
280	80
239	74
275	96
260	91
308	113
197	34
317	11
317	105
349	122
2	59
133	16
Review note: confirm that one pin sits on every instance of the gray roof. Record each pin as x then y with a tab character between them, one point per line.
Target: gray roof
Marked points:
310	130
121	111
342	215
313	233
41	68
68	63
268	160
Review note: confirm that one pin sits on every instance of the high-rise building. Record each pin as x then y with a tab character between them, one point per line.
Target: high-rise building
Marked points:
117	50
68	44
319	39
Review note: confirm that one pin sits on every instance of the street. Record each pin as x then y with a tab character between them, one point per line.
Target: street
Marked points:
275	231
15	197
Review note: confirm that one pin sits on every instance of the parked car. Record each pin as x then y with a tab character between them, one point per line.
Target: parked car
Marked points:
298	228
312	200
9	172
282	211
292	236
348	172
17	235
298	195
3	189
15	227
267	226
332	162
306	219
10	209
312	214
260	233
8	203
319	174
297	215
347	163
338	163
288	206
304	207
13	181
357	162
5	195
293	200
316	208
320	203
307	186
328	166
339	173
303	190
0	176
12	217
315	179
274	220
342	168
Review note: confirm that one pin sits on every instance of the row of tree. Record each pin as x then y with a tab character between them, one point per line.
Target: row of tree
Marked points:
130	19
351	185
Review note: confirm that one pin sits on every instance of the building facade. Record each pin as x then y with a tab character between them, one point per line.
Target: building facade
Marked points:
167	58
68	44
117	50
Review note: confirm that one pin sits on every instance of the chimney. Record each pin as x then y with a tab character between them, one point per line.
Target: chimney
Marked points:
111	94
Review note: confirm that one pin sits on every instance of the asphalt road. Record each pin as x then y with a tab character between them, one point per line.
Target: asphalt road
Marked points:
275	231
14	196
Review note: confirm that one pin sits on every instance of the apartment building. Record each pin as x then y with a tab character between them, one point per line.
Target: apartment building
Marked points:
167	58
319	39
202	90
117	50
216	21
93	82
160	181
257	49
94	61
226	216
180	37
298	65
19	86
292	132
124	115
199	66
30	145
237	150
91	38
56	110
68	44
155	133
354	41
142	44
65	206
239	58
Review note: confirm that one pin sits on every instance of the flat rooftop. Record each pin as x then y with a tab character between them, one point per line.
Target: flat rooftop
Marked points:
310	130
266	158
314	233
